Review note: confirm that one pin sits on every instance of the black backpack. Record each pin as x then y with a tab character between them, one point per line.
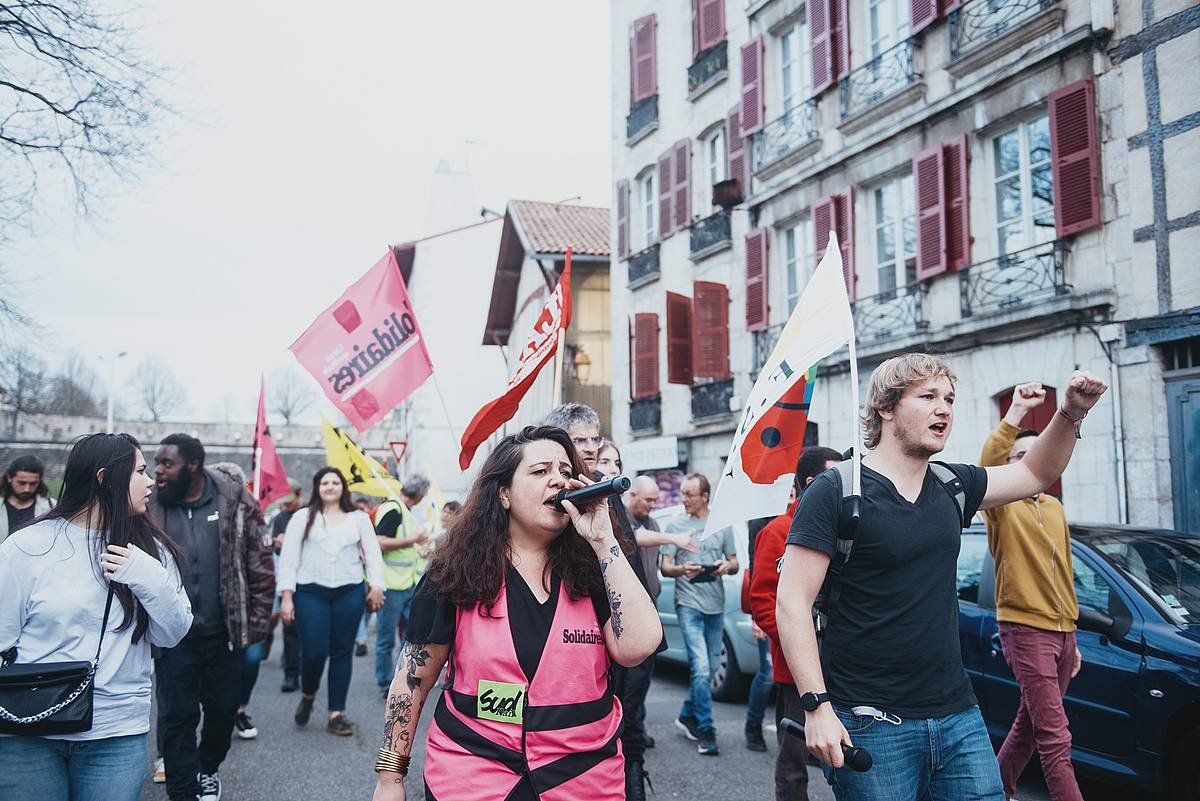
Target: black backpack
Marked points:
849	515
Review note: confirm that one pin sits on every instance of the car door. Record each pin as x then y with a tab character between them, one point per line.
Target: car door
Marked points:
973	560
670	622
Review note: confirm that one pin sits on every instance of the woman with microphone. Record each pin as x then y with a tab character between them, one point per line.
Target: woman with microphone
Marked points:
529	607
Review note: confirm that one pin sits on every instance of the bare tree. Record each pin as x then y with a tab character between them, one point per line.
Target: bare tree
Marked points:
71	390
157	387
289	394
24	383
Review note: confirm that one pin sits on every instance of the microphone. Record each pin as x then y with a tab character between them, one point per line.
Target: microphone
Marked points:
857	759
591	493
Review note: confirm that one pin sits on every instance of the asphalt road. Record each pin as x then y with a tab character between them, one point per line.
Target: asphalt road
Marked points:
287	762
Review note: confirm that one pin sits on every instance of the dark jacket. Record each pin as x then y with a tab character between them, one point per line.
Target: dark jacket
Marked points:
247	564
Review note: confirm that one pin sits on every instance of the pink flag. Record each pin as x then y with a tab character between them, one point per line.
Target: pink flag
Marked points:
270	480
366	349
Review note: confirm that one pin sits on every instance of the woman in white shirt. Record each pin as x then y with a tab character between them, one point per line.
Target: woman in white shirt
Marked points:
54	581
325	552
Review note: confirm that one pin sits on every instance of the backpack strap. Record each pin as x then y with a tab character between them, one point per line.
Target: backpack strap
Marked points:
953	486
849	514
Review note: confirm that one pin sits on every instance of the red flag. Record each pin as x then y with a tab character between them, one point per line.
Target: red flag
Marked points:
270	480
539	349
366	350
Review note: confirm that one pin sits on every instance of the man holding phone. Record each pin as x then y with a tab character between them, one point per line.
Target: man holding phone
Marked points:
700	606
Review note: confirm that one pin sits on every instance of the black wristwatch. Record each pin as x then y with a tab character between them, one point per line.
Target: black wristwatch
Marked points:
810	701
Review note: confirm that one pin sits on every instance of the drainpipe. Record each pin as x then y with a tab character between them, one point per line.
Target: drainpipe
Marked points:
1109	335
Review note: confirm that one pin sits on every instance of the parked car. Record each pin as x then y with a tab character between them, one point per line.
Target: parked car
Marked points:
1134	708
732	678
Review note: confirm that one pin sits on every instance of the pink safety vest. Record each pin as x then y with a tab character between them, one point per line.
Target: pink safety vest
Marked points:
567	745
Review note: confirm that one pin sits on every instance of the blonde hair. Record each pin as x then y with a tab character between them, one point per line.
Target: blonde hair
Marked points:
888	383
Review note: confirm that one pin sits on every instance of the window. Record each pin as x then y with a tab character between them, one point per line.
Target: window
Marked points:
1024	186
1093	590
970	566
797	260
889	24
649	204
794	67
894	226
714	154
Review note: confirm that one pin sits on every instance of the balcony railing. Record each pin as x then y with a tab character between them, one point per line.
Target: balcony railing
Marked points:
711	399
785	135
645	415
764	343
979	21
709	234
641	117
1014	279
881	77
890	315
708	65
643	266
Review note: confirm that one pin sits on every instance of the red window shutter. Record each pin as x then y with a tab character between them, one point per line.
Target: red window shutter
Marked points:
820	45
710	327
956	158
950	5
735	146
622	218
931	213
679	339
752	99
757	308
712	23
666	171
839	36
697	47
683	184
645	81
844	225
922	14
1035	419
1075	157
824	215
645	358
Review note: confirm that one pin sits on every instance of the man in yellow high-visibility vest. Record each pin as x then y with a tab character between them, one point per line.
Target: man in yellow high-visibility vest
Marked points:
402	539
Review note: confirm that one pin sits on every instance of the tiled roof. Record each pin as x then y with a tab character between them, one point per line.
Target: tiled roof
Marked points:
552	227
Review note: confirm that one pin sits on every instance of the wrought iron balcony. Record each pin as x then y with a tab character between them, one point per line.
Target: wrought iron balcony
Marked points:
707	66
643	266
1014	279
890	315
883	76
785	135
710	234
642	117
711	399
764	343
645	415
977	22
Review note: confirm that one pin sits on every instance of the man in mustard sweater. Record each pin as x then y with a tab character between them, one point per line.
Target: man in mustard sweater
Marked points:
1036	609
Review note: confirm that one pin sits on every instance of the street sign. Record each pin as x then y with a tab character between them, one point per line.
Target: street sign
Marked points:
650	454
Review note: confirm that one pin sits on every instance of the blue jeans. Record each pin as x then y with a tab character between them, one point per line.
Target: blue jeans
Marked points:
396	604
42	769
702	638
252	657
327	619
760	688
939	759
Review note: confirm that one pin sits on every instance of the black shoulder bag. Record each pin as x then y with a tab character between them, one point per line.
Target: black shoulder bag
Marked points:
44	698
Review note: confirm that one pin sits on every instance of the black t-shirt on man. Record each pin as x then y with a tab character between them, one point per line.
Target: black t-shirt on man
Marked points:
19	518
892	642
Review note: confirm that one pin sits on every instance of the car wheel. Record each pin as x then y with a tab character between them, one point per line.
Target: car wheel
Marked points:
728	683
1184	769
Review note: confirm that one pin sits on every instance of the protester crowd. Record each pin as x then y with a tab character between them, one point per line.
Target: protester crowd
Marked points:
169	576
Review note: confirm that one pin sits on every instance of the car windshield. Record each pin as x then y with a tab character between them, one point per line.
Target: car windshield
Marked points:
1165	567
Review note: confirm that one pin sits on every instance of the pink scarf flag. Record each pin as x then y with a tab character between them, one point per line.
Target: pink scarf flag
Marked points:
270	479
366	350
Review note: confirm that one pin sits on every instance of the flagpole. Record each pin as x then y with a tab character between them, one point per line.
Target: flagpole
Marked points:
262	391
856	437
445	410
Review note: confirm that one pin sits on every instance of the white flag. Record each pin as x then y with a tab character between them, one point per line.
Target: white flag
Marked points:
820	324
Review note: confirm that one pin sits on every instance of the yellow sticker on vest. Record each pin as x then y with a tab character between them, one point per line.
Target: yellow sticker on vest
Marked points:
500	701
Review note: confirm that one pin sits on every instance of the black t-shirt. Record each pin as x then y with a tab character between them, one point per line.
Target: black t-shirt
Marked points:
893	642
19	518
432	619
279	523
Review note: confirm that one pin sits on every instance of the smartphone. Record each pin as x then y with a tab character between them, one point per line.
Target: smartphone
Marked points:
709	574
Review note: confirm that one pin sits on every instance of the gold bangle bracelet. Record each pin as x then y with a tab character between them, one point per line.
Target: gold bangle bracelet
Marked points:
392	761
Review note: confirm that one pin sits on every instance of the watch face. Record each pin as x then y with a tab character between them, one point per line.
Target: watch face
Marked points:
810	702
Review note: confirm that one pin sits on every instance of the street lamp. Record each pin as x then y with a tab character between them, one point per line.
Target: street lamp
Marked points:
112	380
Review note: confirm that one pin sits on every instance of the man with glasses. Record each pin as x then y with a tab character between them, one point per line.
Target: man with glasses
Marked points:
1036	609
582	425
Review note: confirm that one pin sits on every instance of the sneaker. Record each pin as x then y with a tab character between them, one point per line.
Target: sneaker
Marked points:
340	725
754	737
360	649
304	711
160	771
689	726
290	685
245	729
635	781
708	743
210	787
649	741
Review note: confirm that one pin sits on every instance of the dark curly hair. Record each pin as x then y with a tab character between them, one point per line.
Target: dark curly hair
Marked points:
468	566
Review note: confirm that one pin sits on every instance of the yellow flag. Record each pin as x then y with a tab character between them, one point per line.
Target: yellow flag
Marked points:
363	473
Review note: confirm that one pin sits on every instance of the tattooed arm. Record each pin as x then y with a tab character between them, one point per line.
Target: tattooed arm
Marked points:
416	673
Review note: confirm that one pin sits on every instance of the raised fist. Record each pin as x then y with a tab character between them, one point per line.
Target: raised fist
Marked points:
1083	392
1028	396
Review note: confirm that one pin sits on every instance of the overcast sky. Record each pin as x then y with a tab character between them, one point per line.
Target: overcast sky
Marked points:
309	135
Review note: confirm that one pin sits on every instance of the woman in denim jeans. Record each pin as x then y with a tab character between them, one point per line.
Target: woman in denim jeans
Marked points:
54	581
